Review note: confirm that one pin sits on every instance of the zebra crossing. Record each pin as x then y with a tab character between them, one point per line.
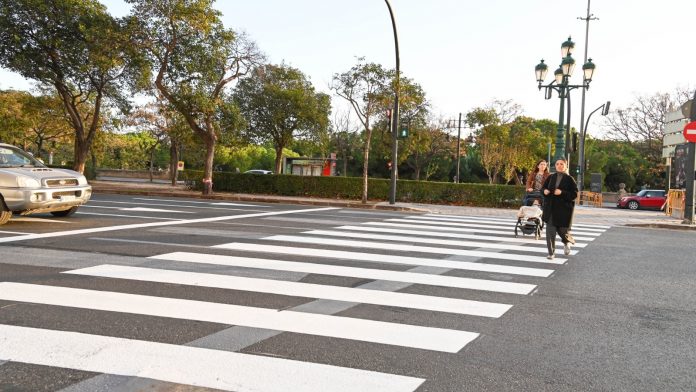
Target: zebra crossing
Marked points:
390	255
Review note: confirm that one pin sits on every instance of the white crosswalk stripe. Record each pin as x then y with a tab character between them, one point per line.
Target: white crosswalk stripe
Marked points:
347	294
454	227
367	273
487	246
187	365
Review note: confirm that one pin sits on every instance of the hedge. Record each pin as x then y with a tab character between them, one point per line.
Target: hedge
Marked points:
408	191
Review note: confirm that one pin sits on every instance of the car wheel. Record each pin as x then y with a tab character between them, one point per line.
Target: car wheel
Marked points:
64	213
5	213
633	205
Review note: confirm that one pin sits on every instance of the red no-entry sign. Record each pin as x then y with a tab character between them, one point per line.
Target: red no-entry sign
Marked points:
690	132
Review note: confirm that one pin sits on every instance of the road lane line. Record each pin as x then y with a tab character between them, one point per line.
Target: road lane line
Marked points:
127	216
452	227
520	240
174	205
366	273
541	248
224	203
188	365
413	248
298	289
387	259
429	338
155	224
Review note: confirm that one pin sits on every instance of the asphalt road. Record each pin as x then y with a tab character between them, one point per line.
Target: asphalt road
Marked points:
148	293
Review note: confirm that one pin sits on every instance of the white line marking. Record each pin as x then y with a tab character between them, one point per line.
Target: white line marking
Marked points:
520	240
188	365
145	209
413	248
204	202
428	338
298	289
13	232
432	241
178	205
387	259
366	273
37	220
128	216
490	218
154	224
452	227
475	223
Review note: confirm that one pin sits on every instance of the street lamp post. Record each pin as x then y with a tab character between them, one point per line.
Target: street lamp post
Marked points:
581	156
561	85
395	114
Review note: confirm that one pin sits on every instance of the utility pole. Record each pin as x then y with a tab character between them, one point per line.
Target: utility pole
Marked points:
459	144
395	114
581	147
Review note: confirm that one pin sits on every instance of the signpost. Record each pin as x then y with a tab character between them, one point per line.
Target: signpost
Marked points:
690	136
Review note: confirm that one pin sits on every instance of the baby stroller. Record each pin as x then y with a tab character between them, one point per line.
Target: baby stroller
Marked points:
529	219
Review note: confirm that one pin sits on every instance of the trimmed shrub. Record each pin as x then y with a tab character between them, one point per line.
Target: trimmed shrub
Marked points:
408	191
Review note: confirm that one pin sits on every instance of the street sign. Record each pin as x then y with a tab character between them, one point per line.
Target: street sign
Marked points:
690	132
180	166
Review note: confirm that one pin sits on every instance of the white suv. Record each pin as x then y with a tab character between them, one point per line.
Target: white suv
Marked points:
29	187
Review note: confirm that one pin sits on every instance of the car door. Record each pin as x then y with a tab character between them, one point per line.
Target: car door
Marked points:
652	200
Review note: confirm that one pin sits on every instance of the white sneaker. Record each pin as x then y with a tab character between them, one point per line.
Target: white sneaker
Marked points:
550	257
566	249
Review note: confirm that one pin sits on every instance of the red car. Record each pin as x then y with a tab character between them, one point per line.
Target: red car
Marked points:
647	198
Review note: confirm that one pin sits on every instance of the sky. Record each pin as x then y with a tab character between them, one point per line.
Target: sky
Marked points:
465	54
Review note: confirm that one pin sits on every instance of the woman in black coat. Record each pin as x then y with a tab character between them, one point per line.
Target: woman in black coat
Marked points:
560	192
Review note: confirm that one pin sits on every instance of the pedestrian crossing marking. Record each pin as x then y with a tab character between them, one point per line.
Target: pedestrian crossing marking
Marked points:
414	248
405	223
382	258
432	241
428	338
495	222
491	218
423	220
298	289
366	273
188	365
521	240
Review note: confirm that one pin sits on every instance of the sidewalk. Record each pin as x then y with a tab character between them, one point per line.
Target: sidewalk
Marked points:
602	216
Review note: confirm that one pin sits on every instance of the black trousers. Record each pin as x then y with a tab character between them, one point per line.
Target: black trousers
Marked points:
551	231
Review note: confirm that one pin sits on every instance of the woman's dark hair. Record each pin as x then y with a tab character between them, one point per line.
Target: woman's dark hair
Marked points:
536	166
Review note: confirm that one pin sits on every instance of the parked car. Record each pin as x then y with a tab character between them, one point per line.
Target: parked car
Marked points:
258	171
647	198
29	187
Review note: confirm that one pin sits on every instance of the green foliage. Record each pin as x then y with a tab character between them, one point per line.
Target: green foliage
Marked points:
74	46
482	195
281	105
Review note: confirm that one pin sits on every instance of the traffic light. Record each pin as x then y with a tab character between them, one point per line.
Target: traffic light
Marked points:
574	142
403	133
389	120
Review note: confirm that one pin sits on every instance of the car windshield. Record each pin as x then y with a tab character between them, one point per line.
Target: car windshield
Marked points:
14	157
642	193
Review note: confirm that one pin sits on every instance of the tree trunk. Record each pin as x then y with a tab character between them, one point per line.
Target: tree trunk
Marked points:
208	174
366	162
345	165
81	151
152	163
278	159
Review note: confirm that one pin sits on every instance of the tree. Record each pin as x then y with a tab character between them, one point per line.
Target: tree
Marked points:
280	104
364	86
344	138
194	58
75	47
643	122
425	147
